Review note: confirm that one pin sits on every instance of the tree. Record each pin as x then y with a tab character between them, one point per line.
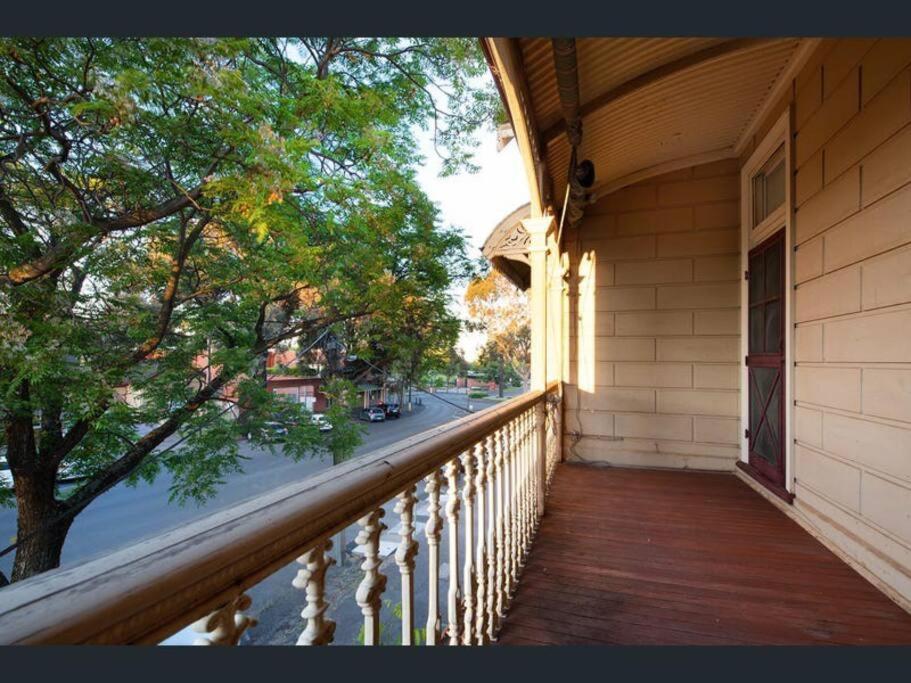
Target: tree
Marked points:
500	309
170	200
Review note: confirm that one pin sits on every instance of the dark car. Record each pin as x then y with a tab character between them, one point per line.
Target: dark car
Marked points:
373	414
392	410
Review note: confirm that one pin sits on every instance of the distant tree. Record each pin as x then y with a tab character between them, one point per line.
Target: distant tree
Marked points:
166	200
500	309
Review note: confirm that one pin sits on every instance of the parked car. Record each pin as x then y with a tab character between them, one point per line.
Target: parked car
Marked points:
6	477
373	414
321	421
276	430
392	410
65	474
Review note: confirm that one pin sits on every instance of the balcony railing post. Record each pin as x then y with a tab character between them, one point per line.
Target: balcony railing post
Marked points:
404	557
469	585
433	530
540	452
370	591
493	621
452	515
480	627
312	578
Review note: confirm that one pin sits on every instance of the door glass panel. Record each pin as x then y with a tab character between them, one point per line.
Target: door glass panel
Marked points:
773	416
756	329
756	278
773	271
765	447
773	327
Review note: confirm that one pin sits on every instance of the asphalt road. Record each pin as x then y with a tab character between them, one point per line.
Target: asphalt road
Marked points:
126	515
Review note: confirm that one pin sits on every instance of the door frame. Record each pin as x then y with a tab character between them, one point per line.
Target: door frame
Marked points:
750	237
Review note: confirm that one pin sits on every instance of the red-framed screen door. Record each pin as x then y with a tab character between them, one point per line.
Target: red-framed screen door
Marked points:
766	360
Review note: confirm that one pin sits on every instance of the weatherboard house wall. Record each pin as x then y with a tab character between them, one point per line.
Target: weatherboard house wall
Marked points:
851	115
653	324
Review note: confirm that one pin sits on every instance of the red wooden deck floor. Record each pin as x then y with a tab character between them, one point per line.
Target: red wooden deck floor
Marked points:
660	557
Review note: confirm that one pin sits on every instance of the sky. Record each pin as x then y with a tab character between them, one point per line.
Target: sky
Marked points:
475	202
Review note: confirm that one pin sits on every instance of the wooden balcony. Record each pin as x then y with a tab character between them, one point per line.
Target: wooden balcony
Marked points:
626	556
538	552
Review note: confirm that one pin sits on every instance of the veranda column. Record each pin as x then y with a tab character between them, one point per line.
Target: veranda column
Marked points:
537	229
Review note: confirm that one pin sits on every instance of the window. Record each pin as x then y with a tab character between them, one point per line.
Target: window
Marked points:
768	187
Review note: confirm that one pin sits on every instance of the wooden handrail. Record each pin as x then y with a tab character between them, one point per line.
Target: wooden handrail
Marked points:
146	592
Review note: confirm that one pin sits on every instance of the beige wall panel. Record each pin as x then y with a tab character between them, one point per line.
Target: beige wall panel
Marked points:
887	279
832	478
621	248
836	202
834	294
589	422
675	427
688	192
880	118
704	243
655	220
592	373
882	63
654	272
716	430
699	296
714	268
698	402
720	167
808	260
599	324
624	299
808	180
887	393
878	338
835	112
613	349
833	387
809	98
654	375
700	349
592	451
842	60
888	167
882	226
808	426
712	376
659	323
879	446
630	199
613	399
718	215
887	504
808	343
717	322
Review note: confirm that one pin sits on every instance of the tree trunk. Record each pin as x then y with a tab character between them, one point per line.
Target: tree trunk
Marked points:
40	538
500	378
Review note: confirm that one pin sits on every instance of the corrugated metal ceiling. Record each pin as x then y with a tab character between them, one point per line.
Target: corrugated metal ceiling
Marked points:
699	109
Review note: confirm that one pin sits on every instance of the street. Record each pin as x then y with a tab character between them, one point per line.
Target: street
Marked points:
125	515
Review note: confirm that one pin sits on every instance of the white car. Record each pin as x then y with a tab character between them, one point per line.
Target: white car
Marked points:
321	421
6	477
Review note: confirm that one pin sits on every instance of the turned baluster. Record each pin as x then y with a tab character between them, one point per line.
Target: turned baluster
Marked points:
512	503
404	558
502	444
521	488
480	568
370	591
493	620
468	582
433	531
227	624
452	516
312	578
528	464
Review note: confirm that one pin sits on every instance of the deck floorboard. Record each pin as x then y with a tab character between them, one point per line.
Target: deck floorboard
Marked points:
630	557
